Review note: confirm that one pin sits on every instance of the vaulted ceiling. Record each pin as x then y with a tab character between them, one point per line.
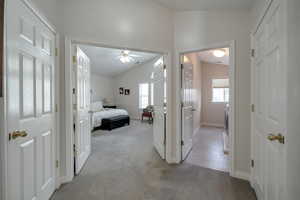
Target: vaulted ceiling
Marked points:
183	5
106	61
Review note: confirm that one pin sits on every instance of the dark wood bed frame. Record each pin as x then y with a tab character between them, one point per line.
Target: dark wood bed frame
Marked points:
115	122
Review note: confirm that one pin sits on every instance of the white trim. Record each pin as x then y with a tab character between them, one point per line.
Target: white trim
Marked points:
232	68
69	111
68	98
241	175
57	112
3	130
3	133
212	124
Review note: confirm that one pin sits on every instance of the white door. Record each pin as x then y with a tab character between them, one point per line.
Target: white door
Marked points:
187	109
159	110
269	99
30	104
81	108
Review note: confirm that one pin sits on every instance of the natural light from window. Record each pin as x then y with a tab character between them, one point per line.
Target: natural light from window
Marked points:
143	95
220	90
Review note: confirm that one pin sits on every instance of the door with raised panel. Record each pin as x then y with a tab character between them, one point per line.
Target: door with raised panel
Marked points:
269	98
159	135
81	108
187	109
30	104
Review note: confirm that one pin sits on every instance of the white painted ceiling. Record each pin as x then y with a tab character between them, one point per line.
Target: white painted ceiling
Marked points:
207	56
106	62
183	5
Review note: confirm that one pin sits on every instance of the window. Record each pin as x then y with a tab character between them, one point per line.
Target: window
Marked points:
143	95
152	93
220	90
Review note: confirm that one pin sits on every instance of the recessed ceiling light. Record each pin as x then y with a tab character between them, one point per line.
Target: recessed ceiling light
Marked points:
219	53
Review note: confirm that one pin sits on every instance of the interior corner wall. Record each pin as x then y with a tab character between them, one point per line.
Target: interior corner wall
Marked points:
212	114
102	87
131	80
197	29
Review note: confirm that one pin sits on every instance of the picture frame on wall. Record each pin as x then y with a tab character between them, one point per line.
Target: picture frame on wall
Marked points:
121	90
127	91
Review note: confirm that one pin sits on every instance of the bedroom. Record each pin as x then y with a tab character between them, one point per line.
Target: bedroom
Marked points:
121	90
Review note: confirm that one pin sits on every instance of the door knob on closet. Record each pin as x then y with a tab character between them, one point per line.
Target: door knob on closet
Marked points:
16	134
278	137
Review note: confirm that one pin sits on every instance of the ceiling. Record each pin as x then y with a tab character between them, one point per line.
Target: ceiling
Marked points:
207	56
106	62
183	5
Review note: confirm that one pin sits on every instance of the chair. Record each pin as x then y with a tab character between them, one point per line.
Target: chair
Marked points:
147	112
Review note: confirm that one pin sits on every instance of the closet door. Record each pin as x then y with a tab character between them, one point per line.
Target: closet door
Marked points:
270	113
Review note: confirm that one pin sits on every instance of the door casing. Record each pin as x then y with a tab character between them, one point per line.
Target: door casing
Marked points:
232	105
69	42
3	102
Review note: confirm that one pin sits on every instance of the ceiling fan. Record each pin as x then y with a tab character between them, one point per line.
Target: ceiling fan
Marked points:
127	57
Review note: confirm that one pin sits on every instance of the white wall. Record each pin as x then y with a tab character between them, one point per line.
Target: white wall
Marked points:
138	24
212	113
131	80
102	87
196	29
293	103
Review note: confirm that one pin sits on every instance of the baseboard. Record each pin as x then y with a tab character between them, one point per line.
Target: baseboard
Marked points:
212	124
65	179
241	175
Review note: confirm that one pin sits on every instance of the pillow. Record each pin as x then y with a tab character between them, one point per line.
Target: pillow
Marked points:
96	106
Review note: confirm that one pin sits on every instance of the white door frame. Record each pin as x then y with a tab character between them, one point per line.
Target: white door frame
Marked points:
69	41
232	105
3	102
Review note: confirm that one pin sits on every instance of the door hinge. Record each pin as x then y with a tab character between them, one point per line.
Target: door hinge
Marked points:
9	137
252	163
57	163
182	66
74	127
74	60
252	108
74	90
74	150
165	66
182	142
252	53
56	51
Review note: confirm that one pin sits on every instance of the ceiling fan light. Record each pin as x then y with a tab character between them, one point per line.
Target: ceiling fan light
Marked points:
125	59
219	53
126	52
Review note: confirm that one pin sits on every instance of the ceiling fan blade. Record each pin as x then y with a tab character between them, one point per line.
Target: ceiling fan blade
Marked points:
136	56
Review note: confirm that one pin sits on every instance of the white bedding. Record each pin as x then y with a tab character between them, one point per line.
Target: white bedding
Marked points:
106	113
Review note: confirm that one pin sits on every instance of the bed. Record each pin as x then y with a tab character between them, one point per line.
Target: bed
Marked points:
107	118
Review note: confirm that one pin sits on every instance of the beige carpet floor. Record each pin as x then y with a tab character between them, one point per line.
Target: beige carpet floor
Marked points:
124	166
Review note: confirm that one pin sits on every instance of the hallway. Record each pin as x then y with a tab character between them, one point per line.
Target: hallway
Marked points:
124	166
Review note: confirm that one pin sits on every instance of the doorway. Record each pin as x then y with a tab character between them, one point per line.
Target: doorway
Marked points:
112	89
207	116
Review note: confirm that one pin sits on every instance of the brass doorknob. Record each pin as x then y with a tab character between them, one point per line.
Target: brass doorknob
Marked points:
17	134
278	137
